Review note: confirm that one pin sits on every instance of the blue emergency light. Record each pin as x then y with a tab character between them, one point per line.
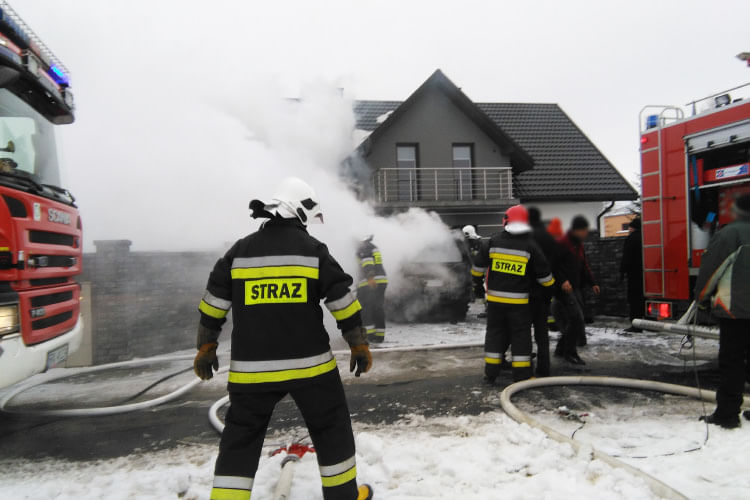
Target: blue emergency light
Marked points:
29	40
652	121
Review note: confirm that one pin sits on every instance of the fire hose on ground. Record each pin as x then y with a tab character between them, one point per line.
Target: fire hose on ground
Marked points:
658	487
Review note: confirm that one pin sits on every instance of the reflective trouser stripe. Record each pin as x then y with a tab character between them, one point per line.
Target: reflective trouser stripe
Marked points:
521	361
230	494
507	297
492	358
378	332
344	307
339	479
212	311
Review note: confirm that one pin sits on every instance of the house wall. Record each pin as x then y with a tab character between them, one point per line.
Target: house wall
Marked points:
435	123
613	225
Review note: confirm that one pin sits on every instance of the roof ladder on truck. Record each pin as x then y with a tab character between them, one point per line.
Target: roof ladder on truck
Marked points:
655	216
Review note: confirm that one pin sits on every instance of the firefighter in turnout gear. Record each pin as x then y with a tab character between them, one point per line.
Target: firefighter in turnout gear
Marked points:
515	264
371	289
273	281
474	242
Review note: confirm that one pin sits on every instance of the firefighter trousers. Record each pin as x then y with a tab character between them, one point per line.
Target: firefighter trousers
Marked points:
540	309
734	355
322	402
508	325
373	311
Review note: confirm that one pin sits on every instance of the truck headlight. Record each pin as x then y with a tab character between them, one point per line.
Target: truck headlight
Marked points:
9	320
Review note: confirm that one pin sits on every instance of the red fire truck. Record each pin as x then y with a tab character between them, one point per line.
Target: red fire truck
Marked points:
693	166
40	229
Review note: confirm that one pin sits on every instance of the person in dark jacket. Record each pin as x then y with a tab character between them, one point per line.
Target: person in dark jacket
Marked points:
631	266
723	284
371	289
474	243
273	281
541	296
574	273
515	263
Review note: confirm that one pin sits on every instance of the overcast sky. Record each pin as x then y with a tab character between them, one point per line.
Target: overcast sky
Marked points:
134	61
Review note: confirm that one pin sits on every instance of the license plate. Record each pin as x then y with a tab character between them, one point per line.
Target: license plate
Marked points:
56	357
434	283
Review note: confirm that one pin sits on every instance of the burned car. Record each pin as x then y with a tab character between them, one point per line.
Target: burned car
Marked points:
436	288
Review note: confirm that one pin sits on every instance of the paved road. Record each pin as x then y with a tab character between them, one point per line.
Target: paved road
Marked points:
429	383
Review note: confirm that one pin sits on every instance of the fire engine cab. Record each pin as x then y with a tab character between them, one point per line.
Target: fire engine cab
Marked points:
694	163
40	230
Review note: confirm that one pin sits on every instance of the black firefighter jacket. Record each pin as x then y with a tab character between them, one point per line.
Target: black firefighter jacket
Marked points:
274	280
516	264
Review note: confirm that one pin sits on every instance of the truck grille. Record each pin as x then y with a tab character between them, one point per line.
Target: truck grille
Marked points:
51	321
53	298
50	238
48	281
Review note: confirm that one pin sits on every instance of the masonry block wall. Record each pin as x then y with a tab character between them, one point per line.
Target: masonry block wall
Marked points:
143	303
604	257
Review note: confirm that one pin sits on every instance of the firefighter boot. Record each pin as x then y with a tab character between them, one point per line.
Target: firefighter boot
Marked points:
365	492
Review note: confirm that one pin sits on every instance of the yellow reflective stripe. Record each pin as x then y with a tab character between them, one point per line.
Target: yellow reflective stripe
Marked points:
520	364
229	494
274	272
281	375
507	256
549	283
368	262
507	300
210	310
478	274
492	361
348	311
339	479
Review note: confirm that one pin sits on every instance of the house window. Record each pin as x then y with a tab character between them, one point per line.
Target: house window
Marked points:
407	162
463	161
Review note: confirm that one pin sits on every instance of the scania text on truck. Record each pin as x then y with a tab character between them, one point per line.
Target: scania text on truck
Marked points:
40	229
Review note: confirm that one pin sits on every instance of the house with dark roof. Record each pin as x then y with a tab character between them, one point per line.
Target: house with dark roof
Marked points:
469	161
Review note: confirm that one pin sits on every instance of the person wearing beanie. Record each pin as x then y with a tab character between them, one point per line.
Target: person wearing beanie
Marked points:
631	266
723	285
574	273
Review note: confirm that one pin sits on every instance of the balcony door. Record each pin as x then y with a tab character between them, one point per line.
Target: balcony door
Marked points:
463	161
406	181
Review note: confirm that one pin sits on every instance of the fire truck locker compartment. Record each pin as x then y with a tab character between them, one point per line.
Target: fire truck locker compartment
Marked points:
19	361
719	137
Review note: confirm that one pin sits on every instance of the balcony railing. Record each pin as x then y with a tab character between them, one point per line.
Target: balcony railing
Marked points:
442	184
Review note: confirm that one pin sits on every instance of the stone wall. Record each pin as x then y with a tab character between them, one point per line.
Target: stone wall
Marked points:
604	256
143	303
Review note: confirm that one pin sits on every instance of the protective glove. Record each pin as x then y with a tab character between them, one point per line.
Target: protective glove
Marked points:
205	360
361	359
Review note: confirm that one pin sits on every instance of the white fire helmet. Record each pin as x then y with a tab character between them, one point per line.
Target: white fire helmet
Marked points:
296	198
470	232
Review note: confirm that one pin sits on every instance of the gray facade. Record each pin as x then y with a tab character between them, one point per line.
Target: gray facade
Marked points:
448	125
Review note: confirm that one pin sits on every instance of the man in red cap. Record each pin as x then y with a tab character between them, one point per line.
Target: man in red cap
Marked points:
515	263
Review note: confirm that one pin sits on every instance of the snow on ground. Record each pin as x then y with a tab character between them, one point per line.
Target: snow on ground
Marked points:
482	457
661	437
